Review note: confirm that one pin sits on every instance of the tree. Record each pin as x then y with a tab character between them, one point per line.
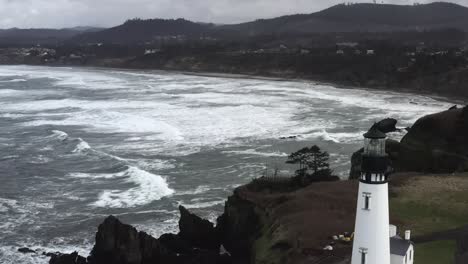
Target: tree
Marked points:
318	160
311	159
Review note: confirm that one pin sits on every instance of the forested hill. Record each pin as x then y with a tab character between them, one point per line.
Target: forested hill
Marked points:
363	17
140	31
337	19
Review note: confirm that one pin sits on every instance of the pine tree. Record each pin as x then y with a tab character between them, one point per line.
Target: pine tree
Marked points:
311	159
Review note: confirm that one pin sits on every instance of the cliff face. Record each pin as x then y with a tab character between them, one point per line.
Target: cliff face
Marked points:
268	226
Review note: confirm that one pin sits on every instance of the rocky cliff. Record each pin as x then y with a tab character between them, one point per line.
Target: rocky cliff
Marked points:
436	143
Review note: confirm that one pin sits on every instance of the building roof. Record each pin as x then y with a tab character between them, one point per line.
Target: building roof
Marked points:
374	132
399	246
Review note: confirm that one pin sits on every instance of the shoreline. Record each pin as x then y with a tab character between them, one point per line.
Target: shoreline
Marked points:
336	84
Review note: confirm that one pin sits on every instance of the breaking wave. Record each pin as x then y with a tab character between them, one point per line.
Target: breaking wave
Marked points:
150	187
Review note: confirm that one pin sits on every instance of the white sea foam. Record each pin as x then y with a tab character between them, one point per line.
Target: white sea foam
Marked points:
257	153
7	204
10	92
199	190
338	137
60	135
150	187
81	146
13	80
199	205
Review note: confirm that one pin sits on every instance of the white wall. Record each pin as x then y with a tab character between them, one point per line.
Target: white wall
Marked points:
395	259
372	226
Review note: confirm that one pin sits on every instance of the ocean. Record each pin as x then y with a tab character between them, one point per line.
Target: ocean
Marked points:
79	144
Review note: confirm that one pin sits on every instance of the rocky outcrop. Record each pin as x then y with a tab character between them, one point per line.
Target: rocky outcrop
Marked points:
119	243
26	250
72	258
196	231
238	226
288	227
387	125
436	143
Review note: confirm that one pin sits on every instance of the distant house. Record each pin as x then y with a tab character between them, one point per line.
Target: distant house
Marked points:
420	48
151	51
340	52
370	52
305	51
401	249
347	44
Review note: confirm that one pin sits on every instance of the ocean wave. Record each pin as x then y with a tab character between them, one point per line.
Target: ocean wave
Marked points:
7	204
81	146
202	204
60	135
257	153
13	81
10	254
338	137
150	187
199	190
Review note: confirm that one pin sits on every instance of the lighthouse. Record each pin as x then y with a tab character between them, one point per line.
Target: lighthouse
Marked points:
371	243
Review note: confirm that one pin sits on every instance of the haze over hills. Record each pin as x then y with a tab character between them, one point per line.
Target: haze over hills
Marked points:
17	36
337	19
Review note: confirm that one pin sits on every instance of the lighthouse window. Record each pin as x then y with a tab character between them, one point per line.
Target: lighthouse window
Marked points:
367	201
363	252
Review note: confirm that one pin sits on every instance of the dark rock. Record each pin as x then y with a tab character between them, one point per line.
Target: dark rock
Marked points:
453	107
387	125
26	250
119	243
238	227
175	244
436	143
197	231
461	254
72	258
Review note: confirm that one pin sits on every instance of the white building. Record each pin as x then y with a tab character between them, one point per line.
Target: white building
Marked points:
401	249
375	242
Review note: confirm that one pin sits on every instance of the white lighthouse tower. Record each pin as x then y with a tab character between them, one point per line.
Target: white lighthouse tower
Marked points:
371	243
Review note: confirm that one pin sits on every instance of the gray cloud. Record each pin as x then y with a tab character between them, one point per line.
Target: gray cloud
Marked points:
69	13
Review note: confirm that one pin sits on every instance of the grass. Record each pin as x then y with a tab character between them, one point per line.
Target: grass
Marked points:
438	252
429	204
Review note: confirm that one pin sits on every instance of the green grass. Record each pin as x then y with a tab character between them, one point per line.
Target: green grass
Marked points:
431	204
438	252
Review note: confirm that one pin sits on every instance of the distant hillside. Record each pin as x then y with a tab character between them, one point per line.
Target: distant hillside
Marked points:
340	18
363	17
16	36
138	31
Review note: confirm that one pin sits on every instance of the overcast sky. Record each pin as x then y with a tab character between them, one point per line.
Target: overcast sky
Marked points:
70	13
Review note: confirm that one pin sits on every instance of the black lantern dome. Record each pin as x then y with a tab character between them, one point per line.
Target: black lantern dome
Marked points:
374	165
